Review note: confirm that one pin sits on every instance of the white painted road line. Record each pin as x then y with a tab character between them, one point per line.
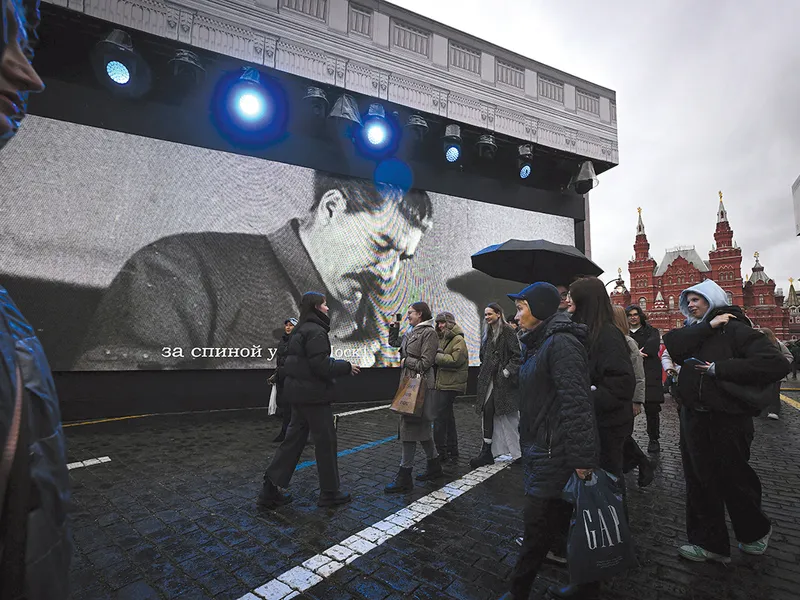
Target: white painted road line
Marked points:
303	577
88	463
362	410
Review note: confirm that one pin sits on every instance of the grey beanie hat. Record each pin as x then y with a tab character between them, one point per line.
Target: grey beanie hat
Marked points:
446	317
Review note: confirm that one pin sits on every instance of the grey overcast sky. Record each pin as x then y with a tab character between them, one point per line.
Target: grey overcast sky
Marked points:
708	99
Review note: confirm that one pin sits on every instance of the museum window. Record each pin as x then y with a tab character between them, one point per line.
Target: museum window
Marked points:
672	302
643	303
729	296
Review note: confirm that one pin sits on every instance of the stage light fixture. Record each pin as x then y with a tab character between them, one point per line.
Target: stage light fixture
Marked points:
119	67
345	114
187	68
249	108
377	132
584	179
487	147
452	143
416	128
318	101
525	161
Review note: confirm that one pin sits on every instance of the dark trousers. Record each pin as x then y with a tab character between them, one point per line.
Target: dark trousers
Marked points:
318	420
632	455
286	411
541	526
715	448
444	425
652	414
488	417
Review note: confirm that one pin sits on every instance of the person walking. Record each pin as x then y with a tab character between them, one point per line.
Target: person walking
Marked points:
649	340
452	370
309	385
497	395
558	433
277	377
632	453
418	349
722	358
774	409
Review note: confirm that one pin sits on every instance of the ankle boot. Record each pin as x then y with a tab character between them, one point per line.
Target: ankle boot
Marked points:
333	498
646	473
271	497
433	471
402	483
484	457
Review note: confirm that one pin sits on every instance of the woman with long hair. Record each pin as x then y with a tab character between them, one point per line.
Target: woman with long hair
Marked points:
633	455
418	348
613	384
309	375
497	396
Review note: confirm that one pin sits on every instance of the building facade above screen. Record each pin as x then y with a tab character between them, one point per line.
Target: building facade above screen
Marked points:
384	51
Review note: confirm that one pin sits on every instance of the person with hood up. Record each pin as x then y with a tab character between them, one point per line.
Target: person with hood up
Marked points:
452	369
277	377
309	375
497	396
35	542
557	428
418	348
649	340
718	346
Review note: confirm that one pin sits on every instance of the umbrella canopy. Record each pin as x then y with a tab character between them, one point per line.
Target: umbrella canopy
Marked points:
527	261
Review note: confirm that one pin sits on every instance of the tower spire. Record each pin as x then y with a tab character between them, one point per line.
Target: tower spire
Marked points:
640	225
722	214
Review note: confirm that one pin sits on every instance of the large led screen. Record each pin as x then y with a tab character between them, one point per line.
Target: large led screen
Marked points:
133	253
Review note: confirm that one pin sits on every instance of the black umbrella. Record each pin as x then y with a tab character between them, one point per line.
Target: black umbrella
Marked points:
527	261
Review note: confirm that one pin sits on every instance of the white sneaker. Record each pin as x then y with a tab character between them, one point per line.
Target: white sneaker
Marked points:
773	416
698	554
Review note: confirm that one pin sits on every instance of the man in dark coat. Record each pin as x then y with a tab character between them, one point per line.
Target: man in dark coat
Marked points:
723	361
649	340
35	544
206	300
558	433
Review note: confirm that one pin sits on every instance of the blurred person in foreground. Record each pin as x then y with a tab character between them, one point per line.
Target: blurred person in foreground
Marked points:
35	544
558	433
722	357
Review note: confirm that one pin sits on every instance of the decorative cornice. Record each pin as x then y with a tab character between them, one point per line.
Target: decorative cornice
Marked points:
313	49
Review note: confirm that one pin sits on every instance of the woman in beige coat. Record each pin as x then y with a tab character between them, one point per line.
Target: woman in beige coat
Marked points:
418	348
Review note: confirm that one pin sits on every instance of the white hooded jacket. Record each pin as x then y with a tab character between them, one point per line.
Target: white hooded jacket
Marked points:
708	289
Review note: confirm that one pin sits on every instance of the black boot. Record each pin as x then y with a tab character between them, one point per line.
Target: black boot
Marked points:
443	456
484	458
646	472
402	483
434	470
578	592
653	447
333	498
271	497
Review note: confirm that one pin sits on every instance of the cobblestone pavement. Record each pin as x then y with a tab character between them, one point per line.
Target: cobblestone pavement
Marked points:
172	515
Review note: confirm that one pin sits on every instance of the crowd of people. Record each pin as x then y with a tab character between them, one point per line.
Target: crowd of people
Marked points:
559	387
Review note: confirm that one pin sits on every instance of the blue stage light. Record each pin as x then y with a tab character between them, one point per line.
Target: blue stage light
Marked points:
525	160
525	171
251	104
452	154
377	132
118	72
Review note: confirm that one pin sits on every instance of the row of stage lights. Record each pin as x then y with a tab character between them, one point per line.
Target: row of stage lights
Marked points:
251	105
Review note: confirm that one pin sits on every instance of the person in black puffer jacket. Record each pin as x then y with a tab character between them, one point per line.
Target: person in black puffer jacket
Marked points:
716	426
278	376
558	434
309	376
613	384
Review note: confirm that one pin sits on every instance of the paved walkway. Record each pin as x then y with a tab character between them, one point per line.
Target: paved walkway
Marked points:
165	508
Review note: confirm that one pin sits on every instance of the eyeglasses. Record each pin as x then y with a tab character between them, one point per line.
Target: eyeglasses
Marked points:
564	295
